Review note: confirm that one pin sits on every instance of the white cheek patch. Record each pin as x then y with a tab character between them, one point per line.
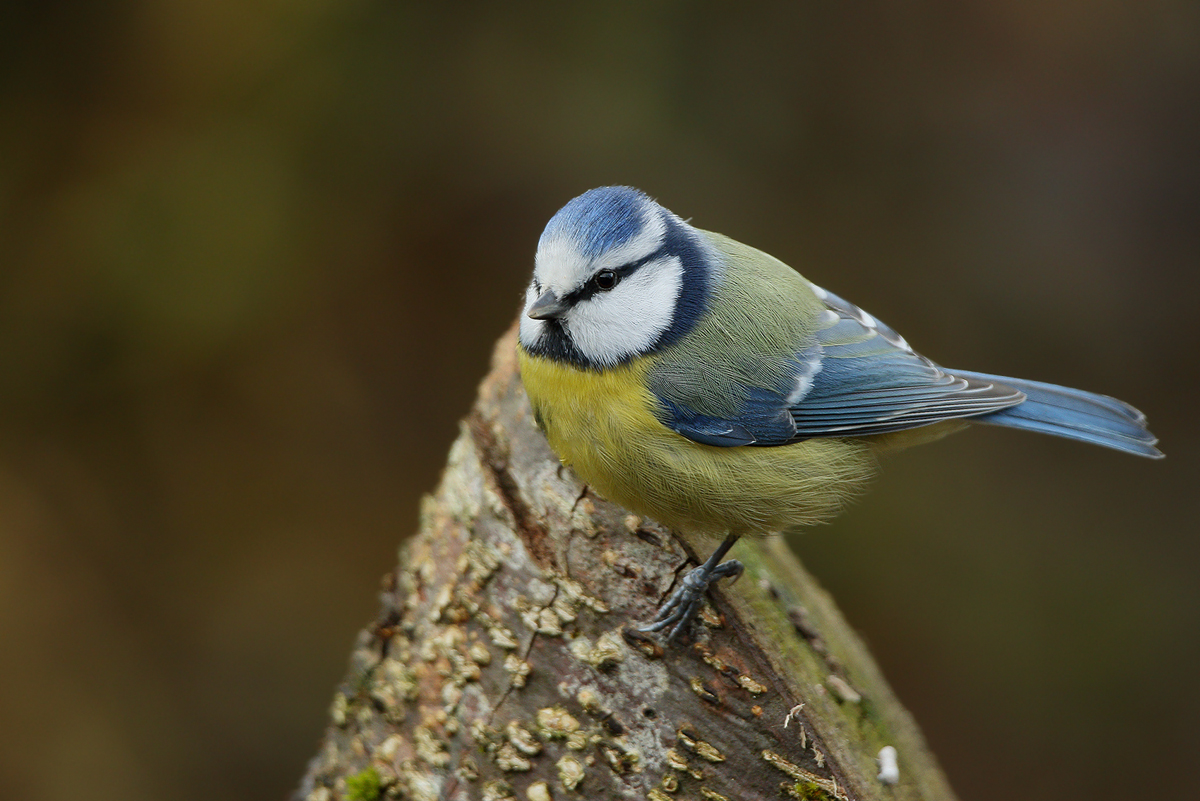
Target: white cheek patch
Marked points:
610	327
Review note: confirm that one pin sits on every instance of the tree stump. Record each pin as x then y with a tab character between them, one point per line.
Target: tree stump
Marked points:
505	662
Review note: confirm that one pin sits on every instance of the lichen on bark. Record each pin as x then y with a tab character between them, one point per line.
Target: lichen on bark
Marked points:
505	662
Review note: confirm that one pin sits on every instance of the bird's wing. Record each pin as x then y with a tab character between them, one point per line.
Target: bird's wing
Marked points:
762	416
872	382
856	377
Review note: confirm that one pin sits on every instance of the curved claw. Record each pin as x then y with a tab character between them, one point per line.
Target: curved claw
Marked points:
685	602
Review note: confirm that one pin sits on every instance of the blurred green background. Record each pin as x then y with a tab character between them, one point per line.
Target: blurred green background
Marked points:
253	257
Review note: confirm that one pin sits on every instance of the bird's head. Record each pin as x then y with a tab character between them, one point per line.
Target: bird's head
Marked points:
616	276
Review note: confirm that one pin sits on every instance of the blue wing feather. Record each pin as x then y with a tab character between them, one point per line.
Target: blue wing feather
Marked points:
703	428
857	377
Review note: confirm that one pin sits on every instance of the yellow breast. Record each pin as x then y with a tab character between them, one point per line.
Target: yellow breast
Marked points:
602	424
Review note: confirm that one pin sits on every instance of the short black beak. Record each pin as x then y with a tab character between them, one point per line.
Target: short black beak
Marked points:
547	307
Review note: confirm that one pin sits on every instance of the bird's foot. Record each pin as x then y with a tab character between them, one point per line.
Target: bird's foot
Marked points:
685	602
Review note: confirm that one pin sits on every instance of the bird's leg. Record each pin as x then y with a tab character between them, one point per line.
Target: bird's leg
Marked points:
685	602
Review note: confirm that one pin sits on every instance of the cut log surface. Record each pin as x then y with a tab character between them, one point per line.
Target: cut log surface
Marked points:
505	662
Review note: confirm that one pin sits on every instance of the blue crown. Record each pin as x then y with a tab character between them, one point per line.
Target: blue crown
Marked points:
599	219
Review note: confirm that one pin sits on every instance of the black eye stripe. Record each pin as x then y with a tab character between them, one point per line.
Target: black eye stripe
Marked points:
621	273
691	302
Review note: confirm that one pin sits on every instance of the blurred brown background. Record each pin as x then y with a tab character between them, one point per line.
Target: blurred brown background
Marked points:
253	257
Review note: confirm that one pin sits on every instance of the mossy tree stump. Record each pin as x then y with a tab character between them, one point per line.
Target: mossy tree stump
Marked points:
505	661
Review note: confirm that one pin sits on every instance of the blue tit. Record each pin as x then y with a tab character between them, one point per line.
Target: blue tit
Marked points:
703	383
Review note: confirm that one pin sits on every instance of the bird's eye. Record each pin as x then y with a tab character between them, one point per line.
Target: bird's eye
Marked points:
606	280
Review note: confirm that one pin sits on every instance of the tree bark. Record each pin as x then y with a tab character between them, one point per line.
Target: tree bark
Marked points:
505	661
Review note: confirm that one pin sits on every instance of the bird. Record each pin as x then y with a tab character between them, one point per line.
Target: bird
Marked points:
709	386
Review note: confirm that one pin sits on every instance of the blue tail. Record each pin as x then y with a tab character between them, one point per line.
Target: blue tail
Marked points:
1071	413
